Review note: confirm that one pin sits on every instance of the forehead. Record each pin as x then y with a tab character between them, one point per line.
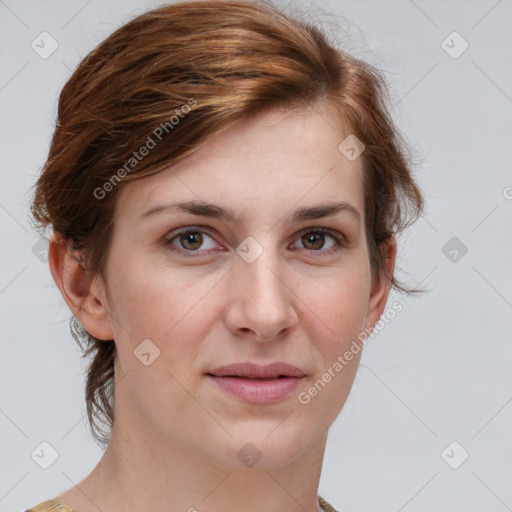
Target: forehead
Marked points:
261	166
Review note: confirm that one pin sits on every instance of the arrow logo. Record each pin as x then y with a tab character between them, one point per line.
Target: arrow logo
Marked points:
249	454
146	352
454	249
351	147
249	249
44	455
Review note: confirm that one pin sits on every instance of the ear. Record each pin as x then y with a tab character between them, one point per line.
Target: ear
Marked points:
84	293
382	286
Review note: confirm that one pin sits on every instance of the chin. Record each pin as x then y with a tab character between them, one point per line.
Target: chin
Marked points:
268	445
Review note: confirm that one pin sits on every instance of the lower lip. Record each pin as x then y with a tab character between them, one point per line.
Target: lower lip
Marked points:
258	391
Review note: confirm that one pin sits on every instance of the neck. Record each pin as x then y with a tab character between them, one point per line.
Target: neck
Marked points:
142	471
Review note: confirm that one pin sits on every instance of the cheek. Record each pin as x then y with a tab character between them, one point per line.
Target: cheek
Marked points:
172	309
337	306
337	319
165	309
148	301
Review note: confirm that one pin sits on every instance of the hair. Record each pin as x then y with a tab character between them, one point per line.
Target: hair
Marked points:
169	80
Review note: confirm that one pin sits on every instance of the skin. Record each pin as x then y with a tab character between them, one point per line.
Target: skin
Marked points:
176	436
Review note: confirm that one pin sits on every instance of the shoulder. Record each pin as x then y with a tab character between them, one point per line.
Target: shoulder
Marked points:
54	505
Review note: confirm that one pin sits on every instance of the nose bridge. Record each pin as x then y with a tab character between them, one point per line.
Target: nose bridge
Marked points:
263	299
265	277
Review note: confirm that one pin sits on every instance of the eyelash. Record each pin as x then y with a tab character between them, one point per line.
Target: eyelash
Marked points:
340	241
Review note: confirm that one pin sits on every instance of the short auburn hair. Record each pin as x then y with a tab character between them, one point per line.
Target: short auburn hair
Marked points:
179	75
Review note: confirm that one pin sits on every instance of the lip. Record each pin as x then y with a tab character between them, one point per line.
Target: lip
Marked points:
258	384
255	371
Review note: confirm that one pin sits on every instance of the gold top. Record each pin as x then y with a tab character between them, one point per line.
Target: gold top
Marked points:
325	505
56	505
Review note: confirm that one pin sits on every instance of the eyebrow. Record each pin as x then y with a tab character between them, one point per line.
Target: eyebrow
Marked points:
204	209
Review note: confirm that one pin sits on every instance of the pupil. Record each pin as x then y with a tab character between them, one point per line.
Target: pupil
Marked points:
315	239
195	239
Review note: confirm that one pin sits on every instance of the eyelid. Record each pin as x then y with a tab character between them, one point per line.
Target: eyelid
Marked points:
340	240
169	237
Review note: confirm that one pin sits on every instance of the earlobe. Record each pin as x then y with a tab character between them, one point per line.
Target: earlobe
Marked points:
79	288
381	288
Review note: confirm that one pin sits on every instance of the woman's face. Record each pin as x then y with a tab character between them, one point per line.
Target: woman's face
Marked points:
190	292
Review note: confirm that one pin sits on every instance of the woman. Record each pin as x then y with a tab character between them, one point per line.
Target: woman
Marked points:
224	188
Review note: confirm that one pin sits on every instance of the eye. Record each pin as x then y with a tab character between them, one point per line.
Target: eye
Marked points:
315	240
190	240
196	240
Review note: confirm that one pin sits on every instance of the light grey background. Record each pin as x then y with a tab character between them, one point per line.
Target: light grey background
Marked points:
439	372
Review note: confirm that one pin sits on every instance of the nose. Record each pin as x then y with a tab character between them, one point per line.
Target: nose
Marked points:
261	303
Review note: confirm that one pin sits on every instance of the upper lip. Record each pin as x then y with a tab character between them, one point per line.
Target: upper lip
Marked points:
255	371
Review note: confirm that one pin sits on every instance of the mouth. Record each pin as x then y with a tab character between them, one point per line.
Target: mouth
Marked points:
254	371
249	378
257	384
